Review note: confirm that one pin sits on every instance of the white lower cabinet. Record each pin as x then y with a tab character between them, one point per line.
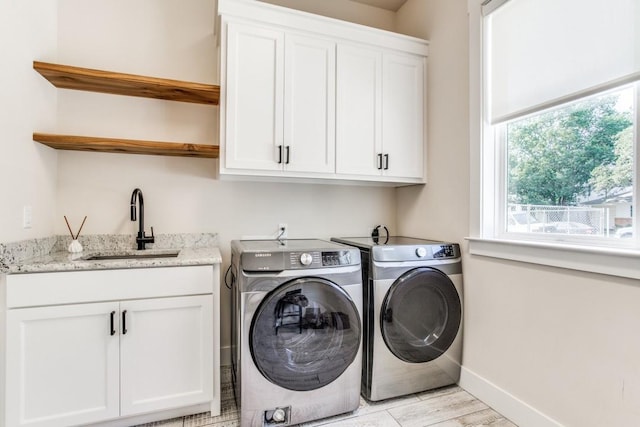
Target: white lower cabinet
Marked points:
83	363
62	365
165	354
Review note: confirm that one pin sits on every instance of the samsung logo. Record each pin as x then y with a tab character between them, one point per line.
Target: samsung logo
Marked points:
262	255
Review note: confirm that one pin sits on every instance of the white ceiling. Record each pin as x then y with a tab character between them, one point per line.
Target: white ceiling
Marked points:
392	5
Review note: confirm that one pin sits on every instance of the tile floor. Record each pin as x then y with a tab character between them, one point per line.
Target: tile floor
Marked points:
444	407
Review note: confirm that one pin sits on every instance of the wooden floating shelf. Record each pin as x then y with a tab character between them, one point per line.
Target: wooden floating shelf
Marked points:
112	145
68	77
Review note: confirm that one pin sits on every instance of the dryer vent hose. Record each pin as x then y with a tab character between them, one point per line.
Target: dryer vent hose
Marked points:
375	234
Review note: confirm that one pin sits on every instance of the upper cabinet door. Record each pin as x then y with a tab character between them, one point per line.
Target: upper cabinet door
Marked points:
309	105
359	110
403	112
254	98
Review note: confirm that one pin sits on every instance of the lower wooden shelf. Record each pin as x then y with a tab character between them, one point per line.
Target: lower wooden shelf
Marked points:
130	146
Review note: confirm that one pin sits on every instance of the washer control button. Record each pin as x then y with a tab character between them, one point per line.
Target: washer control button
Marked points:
421	252
306	259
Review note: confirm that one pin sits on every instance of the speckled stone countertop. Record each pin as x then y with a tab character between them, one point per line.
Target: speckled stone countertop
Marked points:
50	254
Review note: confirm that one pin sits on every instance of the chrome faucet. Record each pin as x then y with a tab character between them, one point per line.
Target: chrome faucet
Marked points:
141	240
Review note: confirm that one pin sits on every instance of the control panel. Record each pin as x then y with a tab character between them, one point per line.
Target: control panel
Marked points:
336	258
304	259
400	253
445	251
262	256
317	259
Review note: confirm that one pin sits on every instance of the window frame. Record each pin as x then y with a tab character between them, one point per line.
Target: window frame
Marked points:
605	255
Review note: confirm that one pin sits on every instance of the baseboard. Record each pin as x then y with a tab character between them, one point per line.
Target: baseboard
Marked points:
508	405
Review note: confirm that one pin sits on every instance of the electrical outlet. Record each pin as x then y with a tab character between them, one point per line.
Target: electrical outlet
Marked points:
27	216
283	231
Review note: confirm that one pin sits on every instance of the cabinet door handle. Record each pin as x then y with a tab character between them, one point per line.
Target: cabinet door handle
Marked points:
287	161
279	154
386	162
379	160
124	322
113	328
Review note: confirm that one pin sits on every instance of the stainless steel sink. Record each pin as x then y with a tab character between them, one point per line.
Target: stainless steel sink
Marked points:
131	255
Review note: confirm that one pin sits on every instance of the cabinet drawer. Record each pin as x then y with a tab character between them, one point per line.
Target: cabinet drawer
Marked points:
71	287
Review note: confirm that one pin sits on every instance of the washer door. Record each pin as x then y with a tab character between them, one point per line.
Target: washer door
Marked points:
305	334
420	315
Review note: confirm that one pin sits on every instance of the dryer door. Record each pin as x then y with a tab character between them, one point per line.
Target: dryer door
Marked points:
420	315
305	334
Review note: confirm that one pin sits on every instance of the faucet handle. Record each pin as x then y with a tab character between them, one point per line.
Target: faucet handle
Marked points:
150	239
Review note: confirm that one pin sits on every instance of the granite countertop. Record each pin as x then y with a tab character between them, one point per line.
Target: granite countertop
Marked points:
51	255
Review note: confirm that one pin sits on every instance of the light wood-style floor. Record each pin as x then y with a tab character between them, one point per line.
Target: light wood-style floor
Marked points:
444	407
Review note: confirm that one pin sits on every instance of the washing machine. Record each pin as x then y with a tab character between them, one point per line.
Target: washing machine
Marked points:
296	330
412	321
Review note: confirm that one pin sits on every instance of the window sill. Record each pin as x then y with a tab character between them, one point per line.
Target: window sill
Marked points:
609	261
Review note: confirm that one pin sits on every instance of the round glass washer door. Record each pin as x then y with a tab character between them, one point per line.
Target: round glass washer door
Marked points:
420	315
305	334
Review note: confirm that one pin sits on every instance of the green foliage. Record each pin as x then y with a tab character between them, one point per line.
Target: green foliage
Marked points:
552	155
618	174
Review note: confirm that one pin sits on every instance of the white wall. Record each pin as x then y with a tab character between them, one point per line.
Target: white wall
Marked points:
440	209
345	10
563	342
27	104
543	346
168	38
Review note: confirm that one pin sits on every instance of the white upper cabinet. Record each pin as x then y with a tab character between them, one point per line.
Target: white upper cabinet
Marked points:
359	110
403	113
254	98
280	109
310	97
381	128
309	106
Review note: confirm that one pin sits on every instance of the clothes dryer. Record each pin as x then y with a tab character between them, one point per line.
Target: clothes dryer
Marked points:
296	330
412	320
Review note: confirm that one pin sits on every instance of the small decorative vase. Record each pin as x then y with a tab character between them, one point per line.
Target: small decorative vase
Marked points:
75	246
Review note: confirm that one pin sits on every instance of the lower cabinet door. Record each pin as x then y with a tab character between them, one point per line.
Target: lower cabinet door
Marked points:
64	363
166	347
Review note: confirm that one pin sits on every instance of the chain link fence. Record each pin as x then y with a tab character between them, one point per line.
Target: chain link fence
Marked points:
558	219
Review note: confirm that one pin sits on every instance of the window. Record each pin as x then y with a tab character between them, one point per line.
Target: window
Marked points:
569	169
560	150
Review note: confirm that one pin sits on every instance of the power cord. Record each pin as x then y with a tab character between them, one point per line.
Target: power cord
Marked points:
228	284
279	237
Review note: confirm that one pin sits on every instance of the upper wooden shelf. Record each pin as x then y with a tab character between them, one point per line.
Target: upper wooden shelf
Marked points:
68	77
113	145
